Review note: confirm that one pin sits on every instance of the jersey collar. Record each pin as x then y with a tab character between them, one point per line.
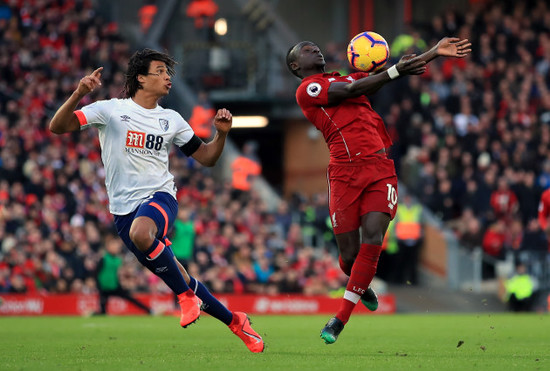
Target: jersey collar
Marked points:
143	108
324	74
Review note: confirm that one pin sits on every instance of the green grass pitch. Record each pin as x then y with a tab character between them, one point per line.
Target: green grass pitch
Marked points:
383	342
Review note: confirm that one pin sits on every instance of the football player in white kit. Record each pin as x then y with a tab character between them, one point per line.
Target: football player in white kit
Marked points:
136	135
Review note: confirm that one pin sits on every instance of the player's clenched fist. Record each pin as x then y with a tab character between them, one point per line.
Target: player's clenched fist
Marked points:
223	120
88	83
411	65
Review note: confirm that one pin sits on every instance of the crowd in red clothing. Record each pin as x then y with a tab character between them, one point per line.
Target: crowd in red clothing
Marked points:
473	135
472	141
54	217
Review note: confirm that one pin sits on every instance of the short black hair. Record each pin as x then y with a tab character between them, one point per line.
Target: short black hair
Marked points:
292	55
139	65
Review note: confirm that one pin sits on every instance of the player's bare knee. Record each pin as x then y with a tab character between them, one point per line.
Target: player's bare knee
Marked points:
373	239
141	237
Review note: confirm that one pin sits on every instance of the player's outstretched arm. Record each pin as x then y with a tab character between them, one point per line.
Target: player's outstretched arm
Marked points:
407	65
448	47
209	153
65	120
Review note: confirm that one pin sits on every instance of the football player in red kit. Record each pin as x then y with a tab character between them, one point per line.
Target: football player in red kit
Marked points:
362	180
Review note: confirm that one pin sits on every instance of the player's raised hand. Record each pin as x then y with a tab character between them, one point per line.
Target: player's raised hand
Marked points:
88	83
410	64
453	47
223	120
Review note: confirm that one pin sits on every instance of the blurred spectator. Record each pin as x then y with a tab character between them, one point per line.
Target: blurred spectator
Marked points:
109	274
409	42
283	219
5	283
203	12
245	168
473	234
520	290
147	14
183	239
202	116
503	200
544	177
409	234
263	270
493	247
335	60
528	194
442	202
535	240
465	121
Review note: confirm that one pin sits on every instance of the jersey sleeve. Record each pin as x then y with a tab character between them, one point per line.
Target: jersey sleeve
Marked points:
359	75
96	114
185	137
313	92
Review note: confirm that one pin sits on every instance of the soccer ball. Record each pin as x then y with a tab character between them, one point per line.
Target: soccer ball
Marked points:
368	51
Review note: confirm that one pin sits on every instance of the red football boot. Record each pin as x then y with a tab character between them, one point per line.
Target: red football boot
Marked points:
240	325
190	307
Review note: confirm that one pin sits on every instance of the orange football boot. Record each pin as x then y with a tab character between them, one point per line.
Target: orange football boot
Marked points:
240	325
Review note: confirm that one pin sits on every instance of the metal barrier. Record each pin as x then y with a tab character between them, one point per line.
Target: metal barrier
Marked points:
463	266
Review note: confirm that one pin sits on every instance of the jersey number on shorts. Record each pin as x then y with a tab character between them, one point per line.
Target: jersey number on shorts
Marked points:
392	196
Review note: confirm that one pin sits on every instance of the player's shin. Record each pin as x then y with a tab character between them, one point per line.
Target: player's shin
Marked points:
362	273
160	261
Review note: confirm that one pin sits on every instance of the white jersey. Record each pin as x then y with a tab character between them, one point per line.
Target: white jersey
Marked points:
135	143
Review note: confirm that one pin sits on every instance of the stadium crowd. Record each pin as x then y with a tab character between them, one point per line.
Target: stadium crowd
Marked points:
472	136
472	142
54	219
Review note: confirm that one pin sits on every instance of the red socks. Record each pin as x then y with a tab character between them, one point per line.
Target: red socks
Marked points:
362	273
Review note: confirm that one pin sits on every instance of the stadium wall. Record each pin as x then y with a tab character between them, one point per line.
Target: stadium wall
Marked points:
305	159
434	251
79	305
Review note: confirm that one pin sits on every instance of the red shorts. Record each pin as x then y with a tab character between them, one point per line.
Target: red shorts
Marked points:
356	189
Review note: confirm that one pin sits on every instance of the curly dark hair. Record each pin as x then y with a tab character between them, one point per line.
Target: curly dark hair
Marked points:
139	65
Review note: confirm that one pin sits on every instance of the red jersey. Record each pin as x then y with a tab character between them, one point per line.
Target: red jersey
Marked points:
352	129
544	209
493	242
503	202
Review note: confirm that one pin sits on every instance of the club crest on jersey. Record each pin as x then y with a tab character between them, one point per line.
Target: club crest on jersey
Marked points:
314	89
164	124
125	118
